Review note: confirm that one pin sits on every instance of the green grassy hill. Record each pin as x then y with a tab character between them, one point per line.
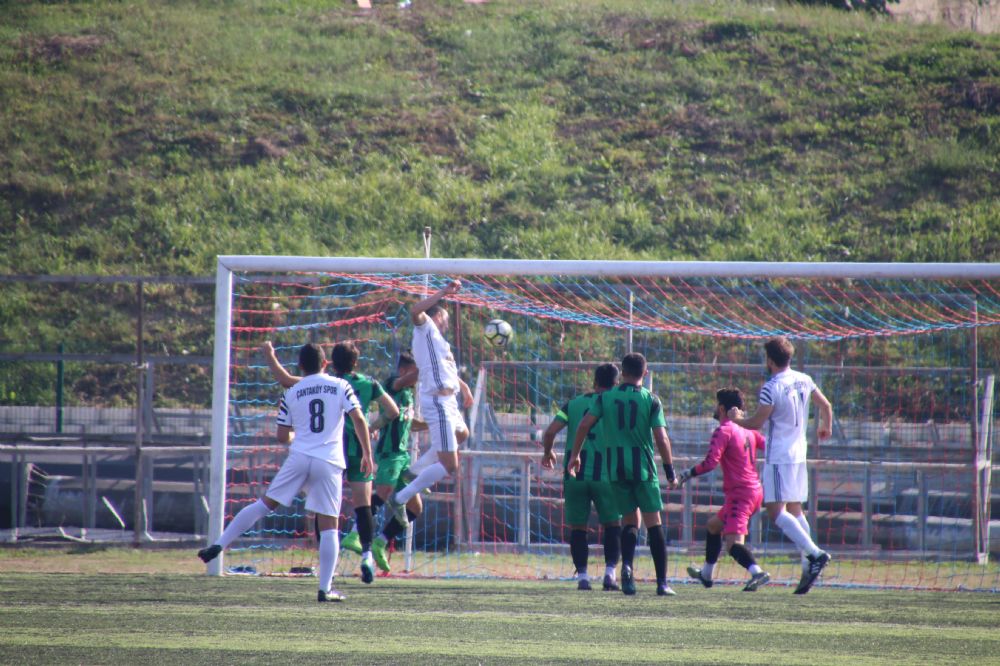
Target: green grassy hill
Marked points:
148	137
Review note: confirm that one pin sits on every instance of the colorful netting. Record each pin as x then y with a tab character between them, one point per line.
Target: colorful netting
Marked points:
898	497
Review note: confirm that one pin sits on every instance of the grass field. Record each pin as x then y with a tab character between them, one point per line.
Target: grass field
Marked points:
55	615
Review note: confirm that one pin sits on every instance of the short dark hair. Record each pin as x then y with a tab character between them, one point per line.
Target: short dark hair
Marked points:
606	375
405	358
344	357
433	310
729	398
311	358
634	364
780	350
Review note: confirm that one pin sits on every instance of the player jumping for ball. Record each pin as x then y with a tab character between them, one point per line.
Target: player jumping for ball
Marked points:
439	390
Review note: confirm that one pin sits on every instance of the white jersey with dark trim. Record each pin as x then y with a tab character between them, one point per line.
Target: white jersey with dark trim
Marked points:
789	393
432	353
315	409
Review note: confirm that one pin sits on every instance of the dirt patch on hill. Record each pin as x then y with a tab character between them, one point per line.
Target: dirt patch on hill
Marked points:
56	48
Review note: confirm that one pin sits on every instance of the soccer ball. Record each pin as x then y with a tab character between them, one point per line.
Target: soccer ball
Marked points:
498	333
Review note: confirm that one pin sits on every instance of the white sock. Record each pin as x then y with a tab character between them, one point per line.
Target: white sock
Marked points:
755	569
366	555
242	521
427	478
609	571
706	570
329	548
805	525
581	575
793	530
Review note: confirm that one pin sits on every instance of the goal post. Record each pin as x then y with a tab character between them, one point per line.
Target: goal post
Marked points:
877	334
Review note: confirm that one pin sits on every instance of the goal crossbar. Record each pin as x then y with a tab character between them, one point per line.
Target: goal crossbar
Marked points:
717	269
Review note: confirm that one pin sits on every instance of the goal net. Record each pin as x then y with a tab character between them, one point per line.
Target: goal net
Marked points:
901	494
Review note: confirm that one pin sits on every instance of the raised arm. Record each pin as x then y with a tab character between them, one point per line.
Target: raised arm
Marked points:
406	380
417	310
825	428
282	376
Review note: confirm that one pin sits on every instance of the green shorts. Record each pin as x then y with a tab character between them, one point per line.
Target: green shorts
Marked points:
642	494
391	469
353	471
578	495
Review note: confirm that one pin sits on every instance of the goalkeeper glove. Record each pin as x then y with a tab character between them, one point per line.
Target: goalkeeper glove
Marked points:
686	476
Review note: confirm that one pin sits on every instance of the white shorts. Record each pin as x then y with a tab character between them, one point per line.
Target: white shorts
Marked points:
321	479
441	414
785	482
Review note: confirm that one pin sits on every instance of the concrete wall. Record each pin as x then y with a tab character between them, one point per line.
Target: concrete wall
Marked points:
977	15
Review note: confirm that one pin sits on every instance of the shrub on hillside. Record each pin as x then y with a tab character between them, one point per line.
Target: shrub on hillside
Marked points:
877	6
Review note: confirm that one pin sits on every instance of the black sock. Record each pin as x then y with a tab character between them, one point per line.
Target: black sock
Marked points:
742	555
377	502
630	535
366	526
578	549
713	546
393	529
612	545
658	549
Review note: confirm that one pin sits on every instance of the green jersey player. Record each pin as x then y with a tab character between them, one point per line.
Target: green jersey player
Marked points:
633	430
590	485
393	452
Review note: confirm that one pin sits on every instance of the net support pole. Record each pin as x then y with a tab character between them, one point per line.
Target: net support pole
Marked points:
138	535
984	472
220	411
631	315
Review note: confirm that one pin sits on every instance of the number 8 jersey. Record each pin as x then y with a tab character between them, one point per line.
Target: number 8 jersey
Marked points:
315	409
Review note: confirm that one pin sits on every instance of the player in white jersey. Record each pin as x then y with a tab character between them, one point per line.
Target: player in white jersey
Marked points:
782	414
311	419
439	386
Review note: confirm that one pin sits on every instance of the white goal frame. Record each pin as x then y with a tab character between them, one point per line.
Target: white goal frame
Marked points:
227	264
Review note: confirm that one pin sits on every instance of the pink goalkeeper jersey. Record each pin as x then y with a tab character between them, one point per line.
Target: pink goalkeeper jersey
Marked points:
736	449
